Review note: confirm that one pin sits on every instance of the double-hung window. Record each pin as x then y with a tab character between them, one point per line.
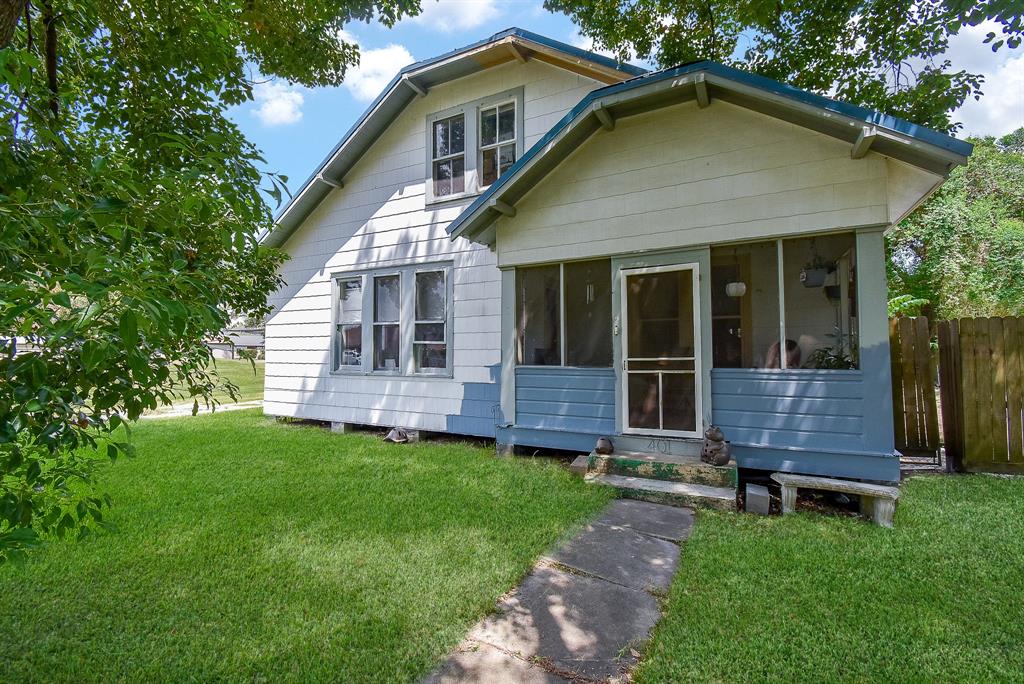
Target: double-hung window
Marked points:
497	141
394	321
471	146
349	327
448	166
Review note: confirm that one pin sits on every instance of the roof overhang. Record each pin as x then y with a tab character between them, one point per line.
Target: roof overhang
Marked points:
416	80
702	82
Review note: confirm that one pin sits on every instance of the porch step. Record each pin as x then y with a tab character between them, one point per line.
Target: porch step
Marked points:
671	493
688	469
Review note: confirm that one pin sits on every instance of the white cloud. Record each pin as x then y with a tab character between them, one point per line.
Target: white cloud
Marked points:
456	15
1001	109
277	104
376	68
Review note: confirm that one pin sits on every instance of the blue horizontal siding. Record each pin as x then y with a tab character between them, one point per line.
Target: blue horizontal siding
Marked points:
576	400
809	410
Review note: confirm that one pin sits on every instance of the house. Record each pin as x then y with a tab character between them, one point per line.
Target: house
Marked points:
526	241
236	343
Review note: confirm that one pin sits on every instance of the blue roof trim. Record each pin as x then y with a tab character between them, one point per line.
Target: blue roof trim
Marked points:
415	66
869	116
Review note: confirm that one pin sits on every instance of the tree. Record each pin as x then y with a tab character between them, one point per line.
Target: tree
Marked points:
129	210
962	251
882	54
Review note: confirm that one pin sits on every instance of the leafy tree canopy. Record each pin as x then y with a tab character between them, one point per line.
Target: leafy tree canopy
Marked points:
129	210
883	54
961	253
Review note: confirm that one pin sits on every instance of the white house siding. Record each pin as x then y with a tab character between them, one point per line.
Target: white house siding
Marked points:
379	219
684	176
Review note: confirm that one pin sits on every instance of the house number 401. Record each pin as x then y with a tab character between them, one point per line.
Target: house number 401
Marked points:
662	446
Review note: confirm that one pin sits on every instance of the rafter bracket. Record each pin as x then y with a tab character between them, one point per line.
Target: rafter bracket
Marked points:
865	139
414	86
606	118
502	207
327	181
516	52
701	86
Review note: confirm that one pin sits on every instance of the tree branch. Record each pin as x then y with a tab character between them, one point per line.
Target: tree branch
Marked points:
10	14
50	52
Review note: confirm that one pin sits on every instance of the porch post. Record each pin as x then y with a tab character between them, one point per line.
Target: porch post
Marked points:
508	346
873	334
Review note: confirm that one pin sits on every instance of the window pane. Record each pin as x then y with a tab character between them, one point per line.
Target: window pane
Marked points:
350	301
488	126
588	313
449	176
387	302
350	345
819	275
538	340
660	315
488	166
745	323
507	158
458	139
385	347
431	356
507	122
441	136
430	296
430	332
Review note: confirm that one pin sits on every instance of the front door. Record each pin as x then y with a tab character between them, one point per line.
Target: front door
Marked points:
661	377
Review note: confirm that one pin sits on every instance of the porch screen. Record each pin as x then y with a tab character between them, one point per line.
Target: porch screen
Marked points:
745	306
538	309
588	313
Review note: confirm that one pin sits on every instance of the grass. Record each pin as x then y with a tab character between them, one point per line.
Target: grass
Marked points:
240	372
808	597
252	550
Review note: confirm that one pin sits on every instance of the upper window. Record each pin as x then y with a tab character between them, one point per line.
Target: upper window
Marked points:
471	146
448	166
497	141
564	314
402	316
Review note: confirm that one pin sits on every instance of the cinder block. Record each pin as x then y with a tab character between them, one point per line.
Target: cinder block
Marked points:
342	427
758	499
505	449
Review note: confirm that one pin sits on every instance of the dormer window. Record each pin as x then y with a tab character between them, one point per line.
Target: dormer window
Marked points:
449	156
497	141
471	146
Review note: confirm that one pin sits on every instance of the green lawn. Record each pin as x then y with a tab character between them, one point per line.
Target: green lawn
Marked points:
251	550
240	372
808	597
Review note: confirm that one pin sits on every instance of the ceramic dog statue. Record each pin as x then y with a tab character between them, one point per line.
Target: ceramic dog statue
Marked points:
716	450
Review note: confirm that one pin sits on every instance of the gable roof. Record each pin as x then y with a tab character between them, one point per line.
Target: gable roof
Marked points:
864	128
416	80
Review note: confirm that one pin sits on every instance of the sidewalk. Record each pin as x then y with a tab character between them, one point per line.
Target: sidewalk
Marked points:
584	611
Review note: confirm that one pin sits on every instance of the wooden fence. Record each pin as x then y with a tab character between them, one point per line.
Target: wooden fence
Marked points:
982	379
913	387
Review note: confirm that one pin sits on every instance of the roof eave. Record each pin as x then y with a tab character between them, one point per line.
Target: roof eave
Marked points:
921	147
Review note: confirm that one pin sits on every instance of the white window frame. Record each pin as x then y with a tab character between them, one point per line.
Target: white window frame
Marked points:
448	157
471	113
406	320
498	143
446	277
374	323
562	340
336	367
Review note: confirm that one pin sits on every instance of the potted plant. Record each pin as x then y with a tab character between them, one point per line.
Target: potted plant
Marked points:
816	271
835	357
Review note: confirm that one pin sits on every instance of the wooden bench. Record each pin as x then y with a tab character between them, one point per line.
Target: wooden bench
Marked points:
876	501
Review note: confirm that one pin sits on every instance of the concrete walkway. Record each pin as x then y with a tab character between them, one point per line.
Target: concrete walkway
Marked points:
185	410
584	610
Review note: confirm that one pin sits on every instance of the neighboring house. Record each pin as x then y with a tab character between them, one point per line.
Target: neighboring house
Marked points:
234	341
526	241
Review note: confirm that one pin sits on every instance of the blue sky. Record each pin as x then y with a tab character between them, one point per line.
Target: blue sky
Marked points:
296	127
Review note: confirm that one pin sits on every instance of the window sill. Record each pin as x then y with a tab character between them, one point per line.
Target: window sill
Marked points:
452	199
448	375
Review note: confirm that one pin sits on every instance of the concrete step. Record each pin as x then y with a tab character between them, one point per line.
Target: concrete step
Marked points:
671	493
689	469
669	446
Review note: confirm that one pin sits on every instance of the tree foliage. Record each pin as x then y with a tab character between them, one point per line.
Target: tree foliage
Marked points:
129	210
962	251
883	54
